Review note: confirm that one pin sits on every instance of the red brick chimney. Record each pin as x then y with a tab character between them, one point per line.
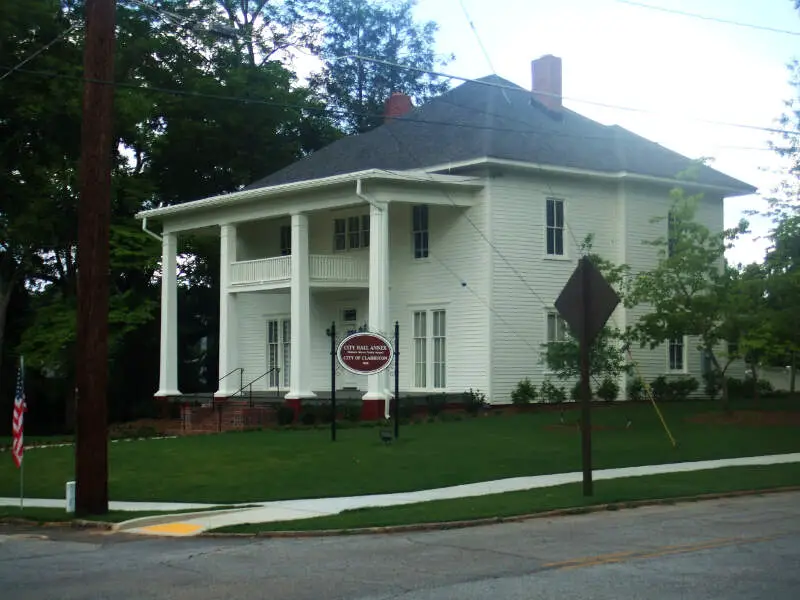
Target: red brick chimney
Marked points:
397	105
546	74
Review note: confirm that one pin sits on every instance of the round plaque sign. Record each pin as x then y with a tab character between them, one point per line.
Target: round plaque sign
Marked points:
364	353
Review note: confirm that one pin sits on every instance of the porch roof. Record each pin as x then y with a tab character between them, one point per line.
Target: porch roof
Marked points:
250	195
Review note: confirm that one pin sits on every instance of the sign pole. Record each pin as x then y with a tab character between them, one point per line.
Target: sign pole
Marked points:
333	381
396	380
22	434
586	413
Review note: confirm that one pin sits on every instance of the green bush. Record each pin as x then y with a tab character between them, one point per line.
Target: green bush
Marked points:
552	394
474	400
608	390
524	393
636	390
712	384
665	390
308	417
406	408
351	411
746	388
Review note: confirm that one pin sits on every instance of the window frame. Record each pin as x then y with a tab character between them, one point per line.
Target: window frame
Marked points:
564	330
354	233
420	238
282	346
434	347
683	355
555	227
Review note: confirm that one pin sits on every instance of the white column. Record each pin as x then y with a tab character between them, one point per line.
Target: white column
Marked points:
300	367
168	367
228	319
378	385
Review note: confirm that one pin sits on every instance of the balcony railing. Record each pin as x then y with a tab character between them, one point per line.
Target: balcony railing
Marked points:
261	271
344	269
278	270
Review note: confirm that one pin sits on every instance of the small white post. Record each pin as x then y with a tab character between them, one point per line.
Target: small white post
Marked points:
70	496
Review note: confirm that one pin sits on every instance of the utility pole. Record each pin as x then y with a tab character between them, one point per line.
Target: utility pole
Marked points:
94	216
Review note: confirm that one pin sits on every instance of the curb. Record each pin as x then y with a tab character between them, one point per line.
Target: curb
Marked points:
72	523
463	524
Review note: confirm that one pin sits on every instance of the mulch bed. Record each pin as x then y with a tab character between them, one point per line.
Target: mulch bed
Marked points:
754	418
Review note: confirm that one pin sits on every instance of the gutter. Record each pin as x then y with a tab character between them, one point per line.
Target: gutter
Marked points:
150	233
360	193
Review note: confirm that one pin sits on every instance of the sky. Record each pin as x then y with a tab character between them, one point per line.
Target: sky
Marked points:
682	70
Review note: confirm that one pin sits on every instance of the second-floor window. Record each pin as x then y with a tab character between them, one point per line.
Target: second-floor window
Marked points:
555	227
286	240
557	329
419	230
351	233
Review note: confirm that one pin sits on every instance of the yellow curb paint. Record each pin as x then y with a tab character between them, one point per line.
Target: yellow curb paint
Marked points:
173	528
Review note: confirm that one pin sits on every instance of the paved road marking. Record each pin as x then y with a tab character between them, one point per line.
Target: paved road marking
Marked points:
174	528
605	559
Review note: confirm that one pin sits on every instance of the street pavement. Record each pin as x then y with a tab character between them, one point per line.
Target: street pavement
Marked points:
731	549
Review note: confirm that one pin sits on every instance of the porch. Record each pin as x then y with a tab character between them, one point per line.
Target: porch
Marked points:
276	272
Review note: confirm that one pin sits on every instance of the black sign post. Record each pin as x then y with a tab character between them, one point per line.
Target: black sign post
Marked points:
396	380
586	303
332	333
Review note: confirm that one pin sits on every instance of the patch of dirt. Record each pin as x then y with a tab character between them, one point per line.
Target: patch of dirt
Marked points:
753	418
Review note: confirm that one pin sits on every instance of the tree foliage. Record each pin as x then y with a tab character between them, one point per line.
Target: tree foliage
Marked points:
376	29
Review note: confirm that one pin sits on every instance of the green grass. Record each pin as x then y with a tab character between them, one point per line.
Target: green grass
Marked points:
617	491
272	465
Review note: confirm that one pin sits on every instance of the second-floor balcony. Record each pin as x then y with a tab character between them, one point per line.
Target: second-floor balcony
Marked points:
324	270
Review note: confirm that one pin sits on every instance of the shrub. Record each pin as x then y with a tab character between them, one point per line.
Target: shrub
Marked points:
474	401
575	392
636	390
352	411
406	408
552	394
713	384
608	390
665	390
285	415
435	404
524	393
308	417
684	387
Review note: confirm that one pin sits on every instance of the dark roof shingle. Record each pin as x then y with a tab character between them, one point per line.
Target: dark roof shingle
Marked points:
474	121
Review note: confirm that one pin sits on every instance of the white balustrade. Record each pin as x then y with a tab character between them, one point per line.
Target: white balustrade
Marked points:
327	268
263	270
338	268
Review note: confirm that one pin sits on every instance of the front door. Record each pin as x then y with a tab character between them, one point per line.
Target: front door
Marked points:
349	319
279	353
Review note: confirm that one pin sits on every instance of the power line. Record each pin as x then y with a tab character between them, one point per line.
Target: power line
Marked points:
334	111
709	18
477	37
58	38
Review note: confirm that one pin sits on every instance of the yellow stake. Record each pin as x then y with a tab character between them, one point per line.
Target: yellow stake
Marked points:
652	399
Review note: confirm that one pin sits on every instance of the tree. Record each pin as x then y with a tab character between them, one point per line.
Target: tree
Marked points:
381	30
607	351
691	291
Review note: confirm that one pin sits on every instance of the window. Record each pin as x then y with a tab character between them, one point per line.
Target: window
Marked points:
279	352
555	227
676	350
557	329
420	349
286	240
351	233
439	363
419	230
430	339
672	233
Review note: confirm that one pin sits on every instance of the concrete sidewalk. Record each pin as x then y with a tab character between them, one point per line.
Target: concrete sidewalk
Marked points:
287	510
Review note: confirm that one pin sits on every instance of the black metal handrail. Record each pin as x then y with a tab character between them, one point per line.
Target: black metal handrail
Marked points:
241	377
259	378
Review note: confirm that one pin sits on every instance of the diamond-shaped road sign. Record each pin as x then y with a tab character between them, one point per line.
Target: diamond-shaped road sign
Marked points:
600	296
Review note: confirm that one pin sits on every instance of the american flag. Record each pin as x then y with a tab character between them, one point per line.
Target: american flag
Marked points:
20	407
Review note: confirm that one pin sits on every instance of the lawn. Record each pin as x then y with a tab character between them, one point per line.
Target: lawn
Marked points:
280	464
610	491
53	515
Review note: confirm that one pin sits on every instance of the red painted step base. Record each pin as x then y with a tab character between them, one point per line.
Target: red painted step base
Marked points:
372	410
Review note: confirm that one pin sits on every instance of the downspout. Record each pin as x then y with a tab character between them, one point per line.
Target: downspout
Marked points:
360	193
150	233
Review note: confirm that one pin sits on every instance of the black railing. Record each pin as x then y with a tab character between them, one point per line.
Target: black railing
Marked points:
241	377
249	386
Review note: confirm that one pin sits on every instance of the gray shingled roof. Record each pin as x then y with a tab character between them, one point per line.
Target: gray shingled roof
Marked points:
473	121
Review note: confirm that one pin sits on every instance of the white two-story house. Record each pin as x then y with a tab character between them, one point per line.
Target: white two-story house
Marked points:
459	219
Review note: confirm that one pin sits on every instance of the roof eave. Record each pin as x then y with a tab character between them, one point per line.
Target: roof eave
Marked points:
728	191
416	176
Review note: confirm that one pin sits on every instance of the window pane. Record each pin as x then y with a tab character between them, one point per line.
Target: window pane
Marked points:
559	236
551	221
559	213
365	231
551	240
